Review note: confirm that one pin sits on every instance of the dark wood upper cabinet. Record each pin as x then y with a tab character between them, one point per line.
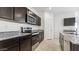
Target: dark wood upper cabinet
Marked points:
6	12
19	14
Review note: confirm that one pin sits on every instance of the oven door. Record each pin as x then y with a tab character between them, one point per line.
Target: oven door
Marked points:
35	41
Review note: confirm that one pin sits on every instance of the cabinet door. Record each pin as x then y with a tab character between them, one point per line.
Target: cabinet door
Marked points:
9	45
74	47
20	14
25	43
6	12
35	39
41	36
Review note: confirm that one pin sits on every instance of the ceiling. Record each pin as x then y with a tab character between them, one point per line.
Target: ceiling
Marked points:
64	9
41	9
57	9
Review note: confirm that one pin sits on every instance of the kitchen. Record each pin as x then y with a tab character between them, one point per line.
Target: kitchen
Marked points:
39	28
20	29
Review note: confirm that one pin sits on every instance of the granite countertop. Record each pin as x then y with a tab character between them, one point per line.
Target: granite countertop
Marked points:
72	38
12	34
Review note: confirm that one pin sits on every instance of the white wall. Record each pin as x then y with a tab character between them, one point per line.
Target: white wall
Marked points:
59	23
10	26
49	25
77	21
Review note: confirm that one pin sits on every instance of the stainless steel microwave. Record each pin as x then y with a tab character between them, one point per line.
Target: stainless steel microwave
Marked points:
31	18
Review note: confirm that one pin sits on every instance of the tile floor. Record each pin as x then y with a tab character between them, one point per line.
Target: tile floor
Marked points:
49	45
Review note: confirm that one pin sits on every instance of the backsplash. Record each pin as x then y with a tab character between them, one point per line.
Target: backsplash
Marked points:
10	26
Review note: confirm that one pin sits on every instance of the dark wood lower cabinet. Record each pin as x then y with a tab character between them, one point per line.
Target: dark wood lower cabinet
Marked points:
13	48
41	36
74	47
25	43
38	38
35	39
16	44
9	44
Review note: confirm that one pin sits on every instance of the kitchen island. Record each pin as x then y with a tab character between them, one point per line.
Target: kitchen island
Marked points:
69	42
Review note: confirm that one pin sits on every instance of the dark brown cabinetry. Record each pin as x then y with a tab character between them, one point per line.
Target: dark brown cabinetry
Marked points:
21	43
16	44
25	43
9	45
35	39
74	47
41	36
6	12
20	14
